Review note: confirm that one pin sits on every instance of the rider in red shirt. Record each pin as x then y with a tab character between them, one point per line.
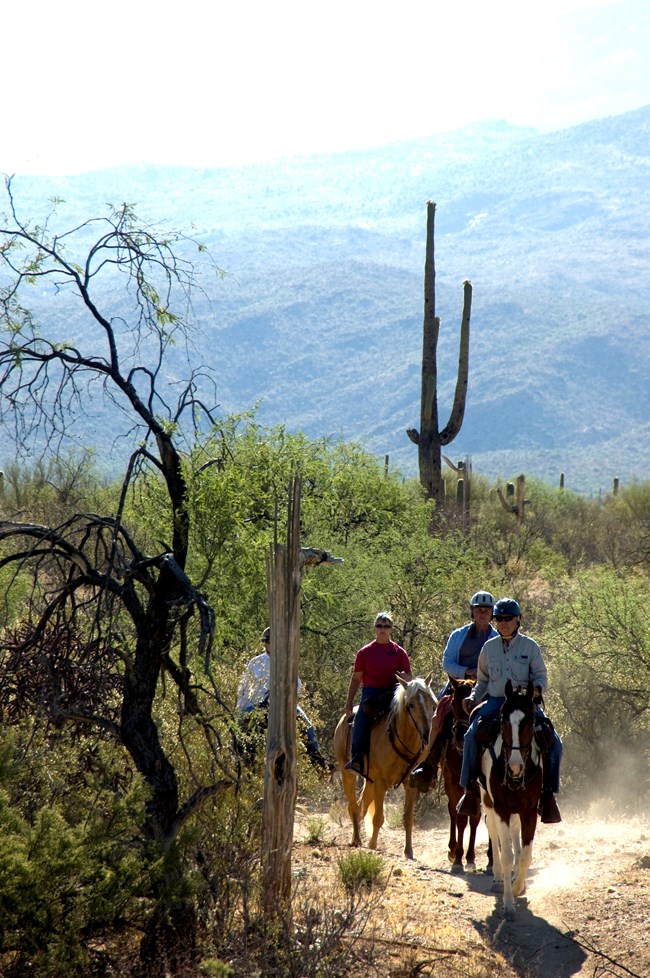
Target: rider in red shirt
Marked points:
376	667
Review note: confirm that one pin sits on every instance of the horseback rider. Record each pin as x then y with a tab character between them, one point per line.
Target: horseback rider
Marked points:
459	661
253	701
376	667
515	656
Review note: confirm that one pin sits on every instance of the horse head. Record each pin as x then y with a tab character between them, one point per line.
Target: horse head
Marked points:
416	697
460	688
517	722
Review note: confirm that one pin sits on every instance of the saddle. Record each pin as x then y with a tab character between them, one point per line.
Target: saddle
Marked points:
377	706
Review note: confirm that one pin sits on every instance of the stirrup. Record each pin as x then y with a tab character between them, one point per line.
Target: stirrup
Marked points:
423	777
470	803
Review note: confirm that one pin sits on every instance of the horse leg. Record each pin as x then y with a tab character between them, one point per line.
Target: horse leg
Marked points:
525	854
349	780
489	869
470	855
491	819
410	796
458	823
505	841
377	813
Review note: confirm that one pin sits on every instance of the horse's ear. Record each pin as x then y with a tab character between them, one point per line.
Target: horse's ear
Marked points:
508	688
429	678
530	690
401	681
453	682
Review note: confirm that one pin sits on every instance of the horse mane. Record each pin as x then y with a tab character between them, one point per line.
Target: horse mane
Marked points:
403	694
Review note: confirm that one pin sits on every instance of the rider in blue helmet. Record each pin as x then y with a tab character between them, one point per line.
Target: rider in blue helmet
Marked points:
459	661
515	656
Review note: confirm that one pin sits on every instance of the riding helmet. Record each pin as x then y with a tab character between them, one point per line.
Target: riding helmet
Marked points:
507	606
482	599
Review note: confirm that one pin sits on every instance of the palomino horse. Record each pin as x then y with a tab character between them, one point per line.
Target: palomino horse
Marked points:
398	742
456	723
513	778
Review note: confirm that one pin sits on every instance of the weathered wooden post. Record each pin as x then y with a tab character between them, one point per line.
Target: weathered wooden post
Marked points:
285	566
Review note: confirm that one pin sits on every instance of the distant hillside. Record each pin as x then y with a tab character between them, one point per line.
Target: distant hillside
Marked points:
320	314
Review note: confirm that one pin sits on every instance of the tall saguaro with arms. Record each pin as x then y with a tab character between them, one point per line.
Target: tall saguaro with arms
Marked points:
430	438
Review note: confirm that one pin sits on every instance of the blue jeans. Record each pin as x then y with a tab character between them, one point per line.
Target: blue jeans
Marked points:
363	721
470	767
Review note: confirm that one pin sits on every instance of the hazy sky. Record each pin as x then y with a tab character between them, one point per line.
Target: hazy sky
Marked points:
88	85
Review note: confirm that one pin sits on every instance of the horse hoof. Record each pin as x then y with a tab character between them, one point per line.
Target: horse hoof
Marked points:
509	913
489	871
497	886
470	867
457	868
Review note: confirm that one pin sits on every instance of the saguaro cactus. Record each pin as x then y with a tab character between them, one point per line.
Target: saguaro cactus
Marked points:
518	493
429	438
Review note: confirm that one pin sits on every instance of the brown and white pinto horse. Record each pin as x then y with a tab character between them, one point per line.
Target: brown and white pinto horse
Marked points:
456	723
398	742
513	776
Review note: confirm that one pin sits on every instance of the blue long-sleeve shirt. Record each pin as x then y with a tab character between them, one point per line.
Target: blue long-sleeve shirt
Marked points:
451	657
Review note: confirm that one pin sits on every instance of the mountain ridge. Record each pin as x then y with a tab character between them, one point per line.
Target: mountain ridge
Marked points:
319	316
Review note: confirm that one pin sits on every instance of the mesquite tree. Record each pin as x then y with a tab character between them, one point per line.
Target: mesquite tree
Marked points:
106	620
430	439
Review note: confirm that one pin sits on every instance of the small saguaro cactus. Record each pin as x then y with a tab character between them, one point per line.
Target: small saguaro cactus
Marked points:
429	438
515	492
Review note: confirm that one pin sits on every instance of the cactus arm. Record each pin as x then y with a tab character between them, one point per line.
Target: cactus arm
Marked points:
453	426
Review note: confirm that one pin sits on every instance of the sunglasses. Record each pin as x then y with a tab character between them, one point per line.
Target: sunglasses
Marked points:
383	624
504	617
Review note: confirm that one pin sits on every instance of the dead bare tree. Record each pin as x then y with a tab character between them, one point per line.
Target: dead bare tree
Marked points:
106	620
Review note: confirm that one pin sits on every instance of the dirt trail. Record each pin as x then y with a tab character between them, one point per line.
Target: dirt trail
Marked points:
586	911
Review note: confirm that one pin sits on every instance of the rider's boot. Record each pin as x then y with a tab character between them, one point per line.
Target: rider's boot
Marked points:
470	803
548	809
423	776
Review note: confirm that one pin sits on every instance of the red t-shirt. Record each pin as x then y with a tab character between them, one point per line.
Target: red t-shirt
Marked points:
379	662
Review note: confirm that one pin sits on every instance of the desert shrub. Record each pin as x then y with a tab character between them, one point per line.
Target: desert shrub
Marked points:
65	888
362	868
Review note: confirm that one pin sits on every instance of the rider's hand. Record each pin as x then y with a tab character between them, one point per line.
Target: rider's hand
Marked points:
468	704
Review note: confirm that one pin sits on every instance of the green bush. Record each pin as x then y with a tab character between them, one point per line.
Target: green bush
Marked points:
362	868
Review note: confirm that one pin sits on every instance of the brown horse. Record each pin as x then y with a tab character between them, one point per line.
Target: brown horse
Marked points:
453	731
512	768
398	742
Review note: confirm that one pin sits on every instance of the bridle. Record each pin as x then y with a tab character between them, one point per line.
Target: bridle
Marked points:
511	780
458	730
